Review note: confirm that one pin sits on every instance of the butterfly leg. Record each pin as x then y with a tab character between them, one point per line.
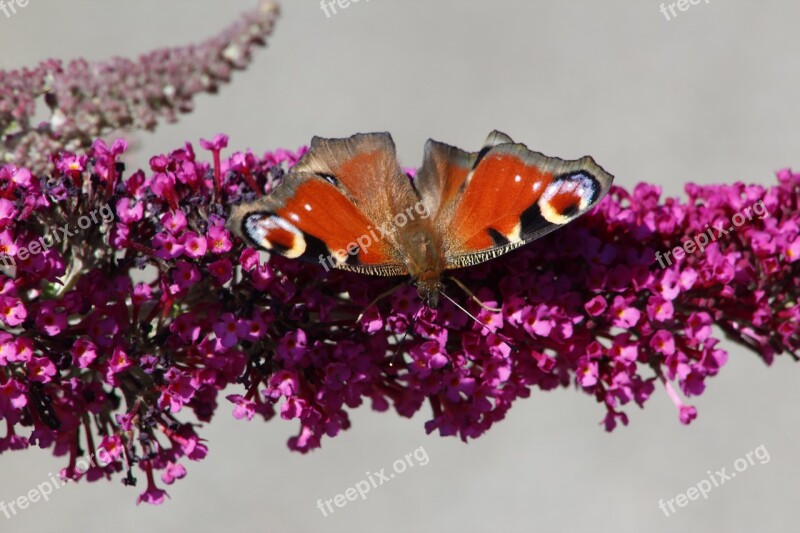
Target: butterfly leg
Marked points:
377	299
472	295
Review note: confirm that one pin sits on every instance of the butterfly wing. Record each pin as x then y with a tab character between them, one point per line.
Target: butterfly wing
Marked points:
504	196
336	206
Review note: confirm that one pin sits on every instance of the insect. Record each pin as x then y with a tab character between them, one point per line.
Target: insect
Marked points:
348	204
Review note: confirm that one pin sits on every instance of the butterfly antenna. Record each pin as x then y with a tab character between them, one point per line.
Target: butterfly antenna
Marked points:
380	297
476	319
472	295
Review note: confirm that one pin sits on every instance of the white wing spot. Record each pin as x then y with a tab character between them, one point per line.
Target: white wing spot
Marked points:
579	184
308	207
517	178
258	228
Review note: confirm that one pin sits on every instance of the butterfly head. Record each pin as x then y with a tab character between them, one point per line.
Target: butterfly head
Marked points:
428	291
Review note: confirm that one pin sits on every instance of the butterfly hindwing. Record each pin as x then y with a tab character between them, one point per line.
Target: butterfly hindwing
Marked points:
365	168
442	176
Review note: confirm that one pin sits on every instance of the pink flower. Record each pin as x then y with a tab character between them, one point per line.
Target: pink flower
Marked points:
152	496
112	447
587	373
187	326
219	142
12	312
793	251
219	240
624	315
427	358
193	245
227	330
167	246
41	369
172	472
128	211
117	363
174	222
596	306
13	396
185	274
7	213
282	383
663	342
244	408
659	309
7	246
50	320
71	164
222	270
292	347
537	320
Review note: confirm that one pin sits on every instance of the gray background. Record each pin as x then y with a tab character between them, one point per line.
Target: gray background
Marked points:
710	96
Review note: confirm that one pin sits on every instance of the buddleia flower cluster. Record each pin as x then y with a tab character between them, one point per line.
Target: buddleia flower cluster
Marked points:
129	314
88	100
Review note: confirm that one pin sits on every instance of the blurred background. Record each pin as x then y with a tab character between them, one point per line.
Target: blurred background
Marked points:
708	96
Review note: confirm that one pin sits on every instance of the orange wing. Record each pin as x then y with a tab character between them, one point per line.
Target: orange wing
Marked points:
507	197
334	207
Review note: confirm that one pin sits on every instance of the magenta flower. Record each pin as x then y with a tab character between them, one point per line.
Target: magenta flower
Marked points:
222	270
12	311
49	320
166	246
174	471
227	330
153	495
244	408
215	145
128	211
41	369
83	352
174	222
219	240
193	245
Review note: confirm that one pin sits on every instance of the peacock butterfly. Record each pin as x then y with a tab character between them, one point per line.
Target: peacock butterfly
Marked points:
348	204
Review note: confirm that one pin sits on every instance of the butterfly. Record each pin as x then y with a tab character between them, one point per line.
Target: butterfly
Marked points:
347	204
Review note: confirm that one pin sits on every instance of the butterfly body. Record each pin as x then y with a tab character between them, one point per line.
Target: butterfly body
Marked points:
347	204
